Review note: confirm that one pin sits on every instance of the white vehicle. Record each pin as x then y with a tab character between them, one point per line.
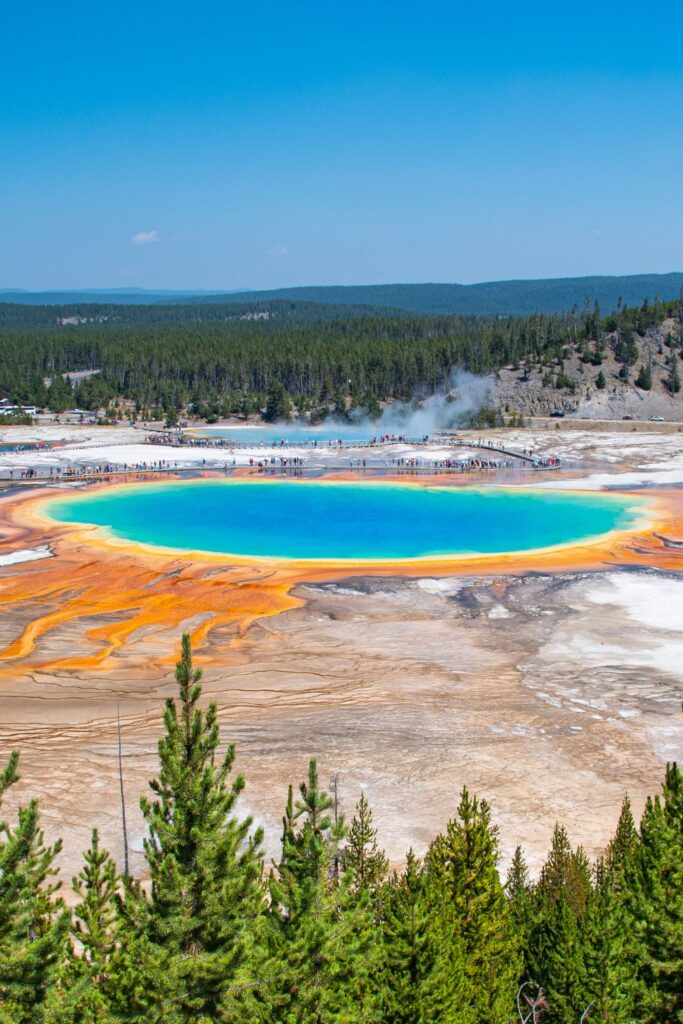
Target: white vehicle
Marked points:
656	419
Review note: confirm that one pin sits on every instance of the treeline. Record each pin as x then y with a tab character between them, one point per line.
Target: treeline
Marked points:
327	935
487	298
226	367
15	314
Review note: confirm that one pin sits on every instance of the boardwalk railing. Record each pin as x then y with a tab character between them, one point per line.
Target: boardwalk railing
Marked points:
74	471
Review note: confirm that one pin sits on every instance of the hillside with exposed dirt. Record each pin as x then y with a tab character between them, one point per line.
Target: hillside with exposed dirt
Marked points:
601	379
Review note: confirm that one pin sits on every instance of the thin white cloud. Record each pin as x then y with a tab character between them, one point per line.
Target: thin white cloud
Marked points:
145	237
277	250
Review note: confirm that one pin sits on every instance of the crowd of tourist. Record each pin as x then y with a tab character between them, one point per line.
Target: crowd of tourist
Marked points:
180	440
72	470
502	460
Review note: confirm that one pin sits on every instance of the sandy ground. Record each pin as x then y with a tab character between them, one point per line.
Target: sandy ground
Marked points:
549	694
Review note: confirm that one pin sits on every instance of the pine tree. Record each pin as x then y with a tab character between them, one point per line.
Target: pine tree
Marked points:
555	950
95	914
423	979
566	873
200	918
519	892
579	887
600	381
644	378
674	376
407	963
555	871
323	950
361	855
609	968
615	888
278	406
624	844
33	921
462	871
86	981
60	395
658	901
142	986
562	972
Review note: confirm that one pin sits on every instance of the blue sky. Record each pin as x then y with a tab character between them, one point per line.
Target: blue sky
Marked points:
214	146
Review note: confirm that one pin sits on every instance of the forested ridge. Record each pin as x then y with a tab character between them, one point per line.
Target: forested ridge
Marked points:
486	298
164	359
327	934
518	297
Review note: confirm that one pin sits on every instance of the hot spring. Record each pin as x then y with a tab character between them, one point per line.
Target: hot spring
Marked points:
292	434
335	521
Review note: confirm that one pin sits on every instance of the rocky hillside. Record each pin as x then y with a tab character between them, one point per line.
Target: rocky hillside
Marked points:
605	379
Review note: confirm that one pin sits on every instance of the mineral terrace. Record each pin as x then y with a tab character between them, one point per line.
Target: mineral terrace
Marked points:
549	689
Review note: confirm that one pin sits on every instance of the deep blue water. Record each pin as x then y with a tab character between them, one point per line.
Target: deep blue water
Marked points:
322	520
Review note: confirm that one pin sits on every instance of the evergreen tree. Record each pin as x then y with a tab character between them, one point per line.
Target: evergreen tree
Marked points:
579	883
609	968
624	844
439	944
555	952
142	986
60	394
200	917
674	376
361	856
33	921
95	914
323	950
600	381
614	890
597	354
644	378
519	892
423	979
406	960
278	406
566	873
462	874
561	972
372	406
84	989
658	901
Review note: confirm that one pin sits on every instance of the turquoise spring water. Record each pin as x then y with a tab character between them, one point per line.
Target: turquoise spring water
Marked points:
293	434
356	521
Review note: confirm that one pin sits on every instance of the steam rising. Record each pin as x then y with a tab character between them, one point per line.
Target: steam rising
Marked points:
464	396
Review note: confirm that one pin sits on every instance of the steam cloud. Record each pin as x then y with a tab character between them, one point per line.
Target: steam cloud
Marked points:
463	397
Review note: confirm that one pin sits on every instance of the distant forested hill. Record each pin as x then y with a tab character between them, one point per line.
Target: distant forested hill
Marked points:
522	298
119	296
515	298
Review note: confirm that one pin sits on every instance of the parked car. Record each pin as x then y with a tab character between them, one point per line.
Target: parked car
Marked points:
656	419
627	417
557	414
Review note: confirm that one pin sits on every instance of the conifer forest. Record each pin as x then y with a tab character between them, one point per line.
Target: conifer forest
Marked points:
326	932
222	360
